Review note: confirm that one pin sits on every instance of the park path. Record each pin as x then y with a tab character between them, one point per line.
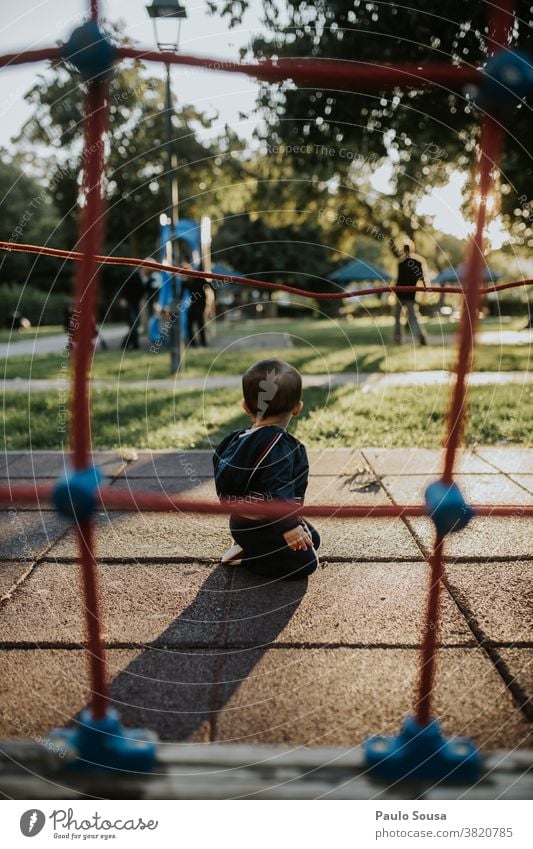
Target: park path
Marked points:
49	344
369	381
256	340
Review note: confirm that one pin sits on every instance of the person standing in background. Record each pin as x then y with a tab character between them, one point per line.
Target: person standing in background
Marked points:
194	291
412	270
132	294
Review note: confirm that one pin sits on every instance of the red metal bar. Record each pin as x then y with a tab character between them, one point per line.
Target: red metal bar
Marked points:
76	256
87	278
429	638
501	24
491	140
134	500
490	148
326	73
95	646
24	56
86	289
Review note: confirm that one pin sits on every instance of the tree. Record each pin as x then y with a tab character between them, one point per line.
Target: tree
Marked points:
424	133
27	215
136	155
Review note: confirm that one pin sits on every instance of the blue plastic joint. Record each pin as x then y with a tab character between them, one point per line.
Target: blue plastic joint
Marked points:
103	744
447	507
74	495
90	51
508	75
422	753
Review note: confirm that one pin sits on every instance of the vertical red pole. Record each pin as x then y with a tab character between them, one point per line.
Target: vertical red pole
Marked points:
86	290
490	143
490	147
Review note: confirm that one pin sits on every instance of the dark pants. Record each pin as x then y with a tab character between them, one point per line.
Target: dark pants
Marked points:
196	318
131	339
266	552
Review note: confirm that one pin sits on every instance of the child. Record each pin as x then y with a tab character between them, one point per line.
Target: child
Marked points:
265	462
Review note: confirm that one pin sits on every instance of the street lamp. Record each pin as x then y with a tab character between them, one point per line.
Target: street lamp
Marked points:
167	16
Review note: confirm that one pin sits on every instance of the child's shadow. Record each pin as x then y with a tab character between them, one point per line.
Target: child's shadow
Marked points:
178	686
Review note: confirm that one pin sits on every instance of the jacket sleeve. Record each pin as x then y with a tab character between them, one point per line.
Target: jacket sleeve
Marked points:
277	480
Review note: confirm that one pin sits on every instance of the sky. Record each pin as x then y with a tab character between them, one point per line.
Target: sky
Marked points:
38	23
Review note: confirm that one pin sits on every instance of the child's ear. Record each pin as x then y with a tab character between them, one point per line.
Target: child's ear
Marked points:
246	409
298	409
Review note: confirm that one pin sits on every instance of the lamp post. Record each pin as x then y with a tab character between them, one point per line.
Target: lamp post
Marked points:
167	16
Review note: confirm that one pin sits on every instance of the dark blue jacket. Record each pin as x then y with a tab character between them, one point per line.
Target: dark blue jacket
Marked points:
262	464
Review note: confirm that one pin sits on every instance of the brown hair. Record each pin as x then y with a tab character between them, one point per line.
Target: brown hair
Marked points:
271	387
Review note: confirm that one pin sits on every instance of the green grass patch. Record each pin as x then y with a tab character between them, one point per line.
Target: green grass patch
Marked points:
344	416
318	347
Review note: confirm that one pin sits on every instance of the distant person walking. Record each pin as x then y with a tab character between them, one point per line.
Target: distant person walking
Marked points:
412	270
194	291
132	294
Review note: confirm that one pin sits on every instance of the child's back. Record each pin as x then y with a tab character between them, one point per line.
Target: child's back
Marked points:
264	463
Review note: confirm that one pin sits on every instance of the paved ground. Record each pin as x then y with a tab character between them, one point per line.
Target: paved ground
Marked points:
203	653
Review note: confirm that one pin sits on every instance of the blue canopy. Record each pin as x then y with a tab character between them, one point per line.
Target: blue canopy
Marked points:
456	275
221	268
359	271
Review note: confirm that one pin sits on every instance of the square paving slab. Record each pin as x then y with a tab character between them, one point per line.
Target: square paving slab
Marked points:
46	464
367	539
500	595
344	603
140	535
164	464
362	488
484	537
171	605
170	692
7	459
422	461
520	664
336	461
26	534
477	489
10	574
199	489
153	535
525	481
509	460
318	697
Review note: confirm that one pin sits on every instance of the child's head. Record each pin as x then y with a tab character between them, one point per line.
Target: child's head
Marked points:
272	389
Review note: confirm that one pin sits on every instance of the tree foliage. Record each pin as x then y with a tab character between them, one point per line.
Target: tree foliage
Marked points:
425	134
136	184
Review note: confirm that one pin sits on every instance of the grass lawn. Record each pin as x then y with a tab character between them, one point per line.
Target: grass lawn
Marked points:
31	333
344	417
318	347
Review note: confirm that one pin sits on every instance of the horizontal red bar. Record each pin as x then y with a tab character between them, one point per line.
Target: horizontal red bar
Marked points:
324	73
76	256
130	500
24	56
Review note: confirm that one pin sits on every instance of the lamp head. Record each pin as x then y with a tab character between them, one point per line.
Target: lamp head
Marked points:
166	9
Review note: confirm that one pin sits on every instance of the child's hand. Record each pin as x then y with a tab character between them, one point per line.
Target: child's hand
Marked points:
297	539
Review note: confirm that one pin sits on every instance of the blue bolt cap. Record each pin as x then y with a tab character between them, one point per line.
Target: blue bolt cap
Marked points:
90	51
508	75
422	753
74	495
447	507
103	744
